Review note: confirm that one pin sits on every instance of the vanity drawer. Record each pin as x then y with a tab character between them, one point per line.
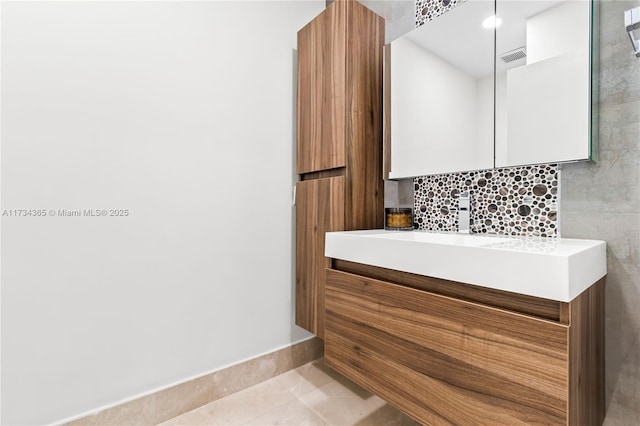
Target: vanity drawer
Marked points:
443	360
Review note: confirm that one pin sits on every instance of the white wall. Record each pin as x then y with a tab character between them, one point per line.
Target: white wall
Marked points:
484	122
558	31
181	112
557	63
556	92
436	108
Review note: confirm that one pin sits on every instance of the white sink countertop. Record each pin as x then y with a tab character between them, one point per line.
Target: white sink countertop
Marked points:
551	268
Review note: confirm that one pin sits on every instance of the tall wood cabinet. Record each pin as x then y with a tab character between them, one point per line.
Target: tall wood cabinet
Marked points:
339	141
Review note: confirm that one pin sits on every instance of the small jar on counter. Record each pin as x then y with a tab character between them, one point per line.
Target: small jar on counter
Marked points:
398	218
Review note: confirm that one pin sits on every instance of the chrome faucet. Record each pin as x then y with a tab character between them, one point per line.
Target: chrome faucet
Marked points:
464	213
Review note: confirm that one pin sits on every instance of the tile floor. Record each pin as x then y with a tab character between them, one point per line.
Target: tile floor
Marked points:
309	395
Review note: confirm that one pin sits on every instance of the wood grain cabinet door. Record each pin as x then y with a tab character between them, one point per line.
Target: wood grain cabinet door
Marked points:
444	360
319	209
321	92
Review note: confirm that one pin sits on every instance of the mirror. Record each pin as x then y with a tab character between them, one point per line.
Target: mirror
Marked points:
457	104
441	99
543	82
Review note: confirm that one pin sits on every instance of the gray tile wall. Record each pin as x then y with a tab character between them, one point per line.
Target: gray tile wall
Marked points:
602	201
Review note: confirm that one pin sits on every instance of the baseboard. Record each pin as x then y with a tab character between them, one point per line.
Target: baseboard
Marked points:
173	401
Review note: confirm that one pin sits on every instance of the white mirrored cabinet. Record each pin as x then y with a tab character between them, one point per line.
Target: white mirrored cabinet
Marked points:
441	94
543	82
493	84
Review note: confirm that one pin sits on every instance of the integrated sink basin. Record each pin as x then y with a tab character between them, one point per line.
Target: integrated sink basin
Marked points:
468	240
551	268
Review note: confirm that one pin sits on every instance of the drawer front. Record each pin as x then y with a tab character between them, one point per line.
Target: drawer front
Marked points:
443	360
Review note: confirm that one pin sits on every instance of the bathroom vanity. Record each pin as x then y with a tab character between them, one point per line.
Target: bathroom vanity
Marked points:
466	329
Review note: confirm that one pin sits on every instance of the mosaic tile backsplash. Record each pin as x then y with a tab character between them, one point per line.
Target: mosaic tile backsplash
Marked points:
511	201
427	10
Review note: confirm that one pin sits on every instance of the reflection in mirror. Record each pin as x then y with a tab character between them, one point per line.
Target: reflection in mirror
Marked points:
543	81
441	79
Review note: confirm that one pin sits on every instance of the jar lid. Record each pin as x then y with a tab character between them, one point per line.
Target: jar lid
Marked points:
398	210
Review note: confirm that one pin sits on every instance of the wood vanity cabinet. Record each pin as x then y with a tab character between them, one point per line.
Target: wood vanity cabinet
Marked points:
452	353
339	141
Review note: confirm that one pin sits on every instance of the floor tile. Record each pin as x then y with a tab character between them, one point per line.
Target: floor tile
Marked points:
247	404
311	395
338	404
307	378
293	413
387	416
191	418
